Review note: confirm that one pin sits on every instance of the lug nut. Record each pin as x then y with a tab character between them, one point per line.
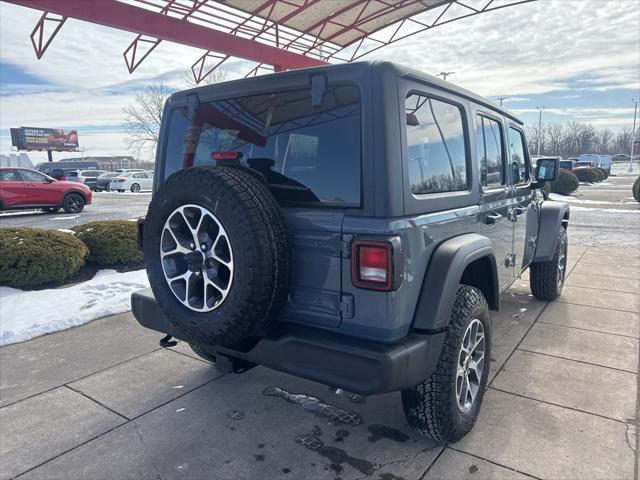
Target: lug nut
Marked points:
203	246
192	246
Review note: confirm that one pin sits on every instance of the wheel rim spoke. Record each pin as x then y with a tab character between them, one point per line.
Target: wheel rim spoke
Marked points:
470	365
199	274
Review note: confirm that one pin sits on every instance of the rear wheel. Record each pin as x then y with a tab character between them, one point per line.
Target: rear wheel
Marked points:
202	353
546	279
135	188
73	203
445	407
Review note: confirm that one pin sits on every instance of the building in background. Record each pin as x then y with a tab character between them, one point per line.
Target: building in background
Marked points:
12	159
112	163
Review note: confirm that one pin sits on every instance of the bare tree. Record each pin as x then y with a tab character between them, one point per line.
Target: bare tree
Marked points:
554	134
143	118
217	76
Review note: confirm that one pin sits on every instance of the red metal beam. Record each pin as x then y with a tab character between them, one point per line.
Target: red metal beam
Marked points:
40	46
112	13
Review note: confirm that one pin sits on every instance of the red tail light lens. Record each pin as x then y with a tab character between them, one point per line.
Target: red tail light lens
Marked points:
121	180
226	155
372	265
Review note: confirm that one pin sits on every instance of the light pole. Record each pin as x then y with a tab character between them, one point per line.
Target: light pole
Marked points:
540	109
501	99
444	75
633	135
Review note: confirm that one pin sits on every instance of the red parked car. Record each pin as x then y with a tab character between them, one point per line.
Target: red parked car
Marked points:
24	188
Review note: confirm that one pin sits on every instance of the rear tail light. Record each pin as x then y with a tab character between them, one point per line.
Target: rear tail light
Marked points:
121	180
372	264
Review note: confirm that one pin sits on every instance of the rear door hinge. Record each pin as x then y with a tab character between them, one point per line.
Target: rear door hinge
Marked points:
346	306
345	246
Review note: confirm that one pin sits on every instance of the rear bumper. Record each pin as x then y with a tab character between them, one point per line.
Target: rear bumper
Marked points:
353	364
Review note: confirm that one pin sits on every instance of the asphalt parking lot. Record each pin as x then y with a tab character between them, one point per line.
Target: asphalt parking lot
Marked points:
105	206
104	401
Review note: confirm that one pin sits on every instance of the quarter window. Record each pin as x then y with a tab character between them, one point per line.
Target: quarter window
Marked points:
489	150
519	163
436	146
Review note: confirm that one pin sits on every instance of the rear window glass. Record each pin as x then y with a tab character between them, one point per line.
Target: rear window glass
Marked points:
308	154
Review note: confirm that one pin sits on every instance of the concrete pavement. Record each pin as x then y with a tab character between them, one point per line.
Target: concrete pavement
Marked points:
103	401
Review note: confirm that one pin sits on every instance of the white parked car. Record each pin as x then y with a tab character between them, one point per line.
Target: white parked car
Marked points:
132	181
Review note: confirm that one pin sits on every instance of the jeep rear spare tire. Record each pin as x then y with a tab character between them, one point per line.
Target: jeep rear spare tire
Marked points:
216	253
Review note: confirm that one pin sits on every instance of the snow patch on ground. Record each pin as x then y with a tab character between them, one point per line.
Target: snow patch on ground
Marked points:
570	199
606	210
28	314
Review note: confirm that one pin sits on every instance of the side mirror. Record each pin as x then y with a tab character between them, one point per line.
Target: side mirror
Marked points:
547	170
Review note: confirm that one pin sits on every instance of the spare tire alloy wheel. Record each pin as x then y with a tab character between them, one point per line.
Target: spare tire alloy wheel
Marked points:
217	255
197	258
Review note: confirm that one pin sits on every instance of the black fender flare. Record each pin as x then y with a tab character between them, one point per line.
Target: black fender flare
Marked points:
444	274
553	215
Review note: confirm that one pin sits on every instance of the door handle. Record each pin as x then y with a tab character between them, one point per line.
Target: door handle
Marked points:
492	218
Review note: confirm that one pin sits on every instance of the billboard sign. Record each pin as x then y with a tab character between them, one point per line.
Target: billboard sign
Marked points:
29	138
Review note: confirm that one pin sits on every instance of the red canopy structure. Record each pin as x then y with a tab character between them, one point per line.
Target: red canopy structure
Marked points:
282	34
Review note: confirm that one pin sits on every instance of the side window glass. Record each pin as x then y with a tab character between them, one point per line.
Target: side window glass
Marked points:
489	150
519	163
518	166
436	146
29	176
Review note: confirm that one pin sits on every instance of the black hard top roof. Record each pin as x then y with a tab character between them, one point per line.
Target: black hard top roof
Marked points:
401	70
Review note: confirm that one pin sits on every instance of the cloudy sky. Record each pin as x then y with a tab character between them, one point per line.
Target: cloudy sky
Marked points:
580	59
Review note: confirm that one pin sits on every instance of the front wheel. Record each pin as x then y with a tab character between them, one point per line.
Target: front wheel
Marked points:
546	279
135	188
73	203
445	407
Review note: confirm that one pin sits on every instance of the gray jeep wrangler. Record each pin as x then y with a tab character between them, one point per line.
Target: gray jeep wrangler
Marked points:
353	225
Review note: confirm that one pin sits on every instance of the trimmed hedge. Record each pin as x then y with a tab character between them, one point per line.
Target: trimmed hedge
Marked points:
636	189
110	243
603	172
588	175
567	182
30	257
600	173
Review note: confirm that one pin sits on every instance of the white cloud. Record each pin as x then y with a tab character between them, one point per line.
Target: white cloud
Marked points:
530	49
533	48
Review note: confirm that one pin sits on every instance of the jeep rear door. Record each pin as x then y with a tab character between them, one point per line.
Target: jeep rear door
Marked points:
497	201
